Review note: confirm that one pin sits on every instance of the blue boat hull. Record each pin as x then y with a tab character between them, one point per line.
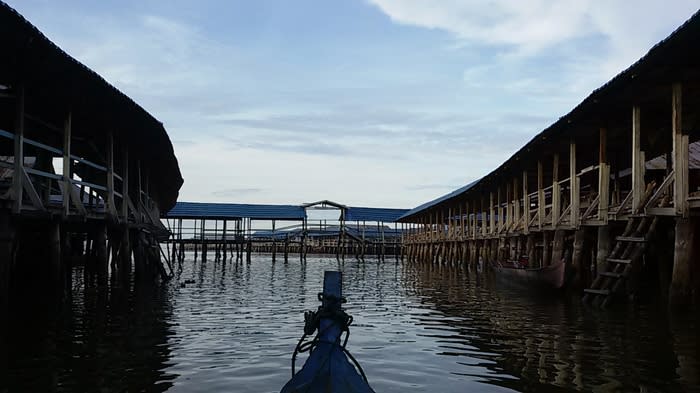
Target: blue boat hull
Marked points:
328	369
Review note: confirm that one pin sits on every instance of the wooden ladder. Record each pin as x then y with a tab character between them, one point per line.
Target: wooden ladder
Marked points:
628	250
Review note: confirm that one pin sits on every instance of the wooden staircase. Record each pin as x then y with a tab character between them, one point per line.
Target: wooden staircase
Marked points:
629	248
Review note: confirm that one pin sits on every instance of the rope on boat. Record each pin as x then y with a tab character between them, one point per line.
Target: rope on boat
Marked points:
312	323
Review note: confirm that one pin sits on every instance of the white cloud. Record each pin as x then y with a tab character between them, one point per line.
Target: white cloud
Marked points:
528	27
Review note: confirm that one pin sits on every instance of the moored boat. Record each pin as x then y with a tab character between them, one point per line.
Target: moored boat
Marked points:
547	277
328	368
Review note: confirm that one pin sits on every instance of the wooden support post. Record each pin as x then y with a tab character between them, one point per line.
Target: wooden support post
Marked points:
67	167
516	205
603	178
274	241
484	223
111	203
638	186
546	248
17	178
526	205
204	239
100	240
603	248
509	205
540	195
574	184
558	245
492	216
499	212
7	247
530	251
577	258
681	282
556	191
125	187
125	253
680	154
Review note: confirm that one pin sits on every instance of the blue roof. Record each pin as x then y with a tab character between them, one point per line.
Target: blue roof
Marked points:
441	199
236	210
373	214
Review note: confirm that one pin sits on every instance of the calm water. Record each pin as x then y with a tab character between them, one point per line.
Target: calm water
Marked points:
441	329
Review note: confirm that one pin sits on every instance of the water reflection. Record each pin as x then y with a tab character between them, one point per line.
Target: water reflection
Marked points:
556	344
113	338
232	326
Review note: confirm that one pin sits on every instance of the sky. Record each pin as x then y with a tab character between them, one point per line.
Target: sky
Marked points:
383	103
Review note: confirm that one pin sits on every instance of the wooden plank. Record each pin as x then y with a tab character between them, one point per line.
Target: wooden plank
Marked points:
618	260
17	178
30	190
661	190
611	274
37	172
661	211
631	239
591	207
603	292
588	169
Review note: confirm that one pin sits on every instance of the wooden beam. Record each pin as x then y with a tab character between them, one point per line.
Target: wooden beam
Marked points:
17	179
111	204
492	216
67	164
125	186
540	195
499	212
680	153
638	186
556	192
31	191
509	206
526	205
603	177
574	184
516	204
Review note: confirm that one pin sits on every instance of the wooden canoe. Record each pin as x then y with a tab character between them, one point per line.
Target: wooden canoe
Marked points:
548	277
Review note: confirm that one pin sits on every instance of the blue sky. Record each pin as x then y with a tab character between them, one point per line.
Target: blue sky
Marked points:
384	103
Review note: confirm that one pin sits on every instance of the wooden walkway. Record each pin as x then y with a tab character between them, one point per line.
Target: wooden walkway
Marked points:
593	189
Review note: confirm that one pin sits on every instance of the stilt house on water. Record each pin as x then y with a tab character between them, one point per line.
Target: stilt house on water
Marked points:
84	170
612	188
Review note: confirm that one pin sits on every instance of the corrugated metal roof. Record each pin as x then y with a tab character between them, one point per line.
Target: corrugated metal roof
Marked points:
236	210
438	200
663	53
373	214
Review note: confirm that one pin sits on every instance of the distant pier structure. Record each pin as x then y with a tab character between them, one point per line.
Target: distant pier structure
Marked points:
612	188
85	172
234	231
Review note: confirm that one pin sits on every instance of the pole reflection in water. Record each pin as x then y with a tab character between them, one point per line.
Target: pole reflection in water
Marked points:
227	326
101	338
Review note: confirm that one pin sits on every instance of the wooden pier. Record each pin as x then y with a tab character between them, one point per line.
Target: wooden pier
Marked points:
84	171
612	188
235	231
